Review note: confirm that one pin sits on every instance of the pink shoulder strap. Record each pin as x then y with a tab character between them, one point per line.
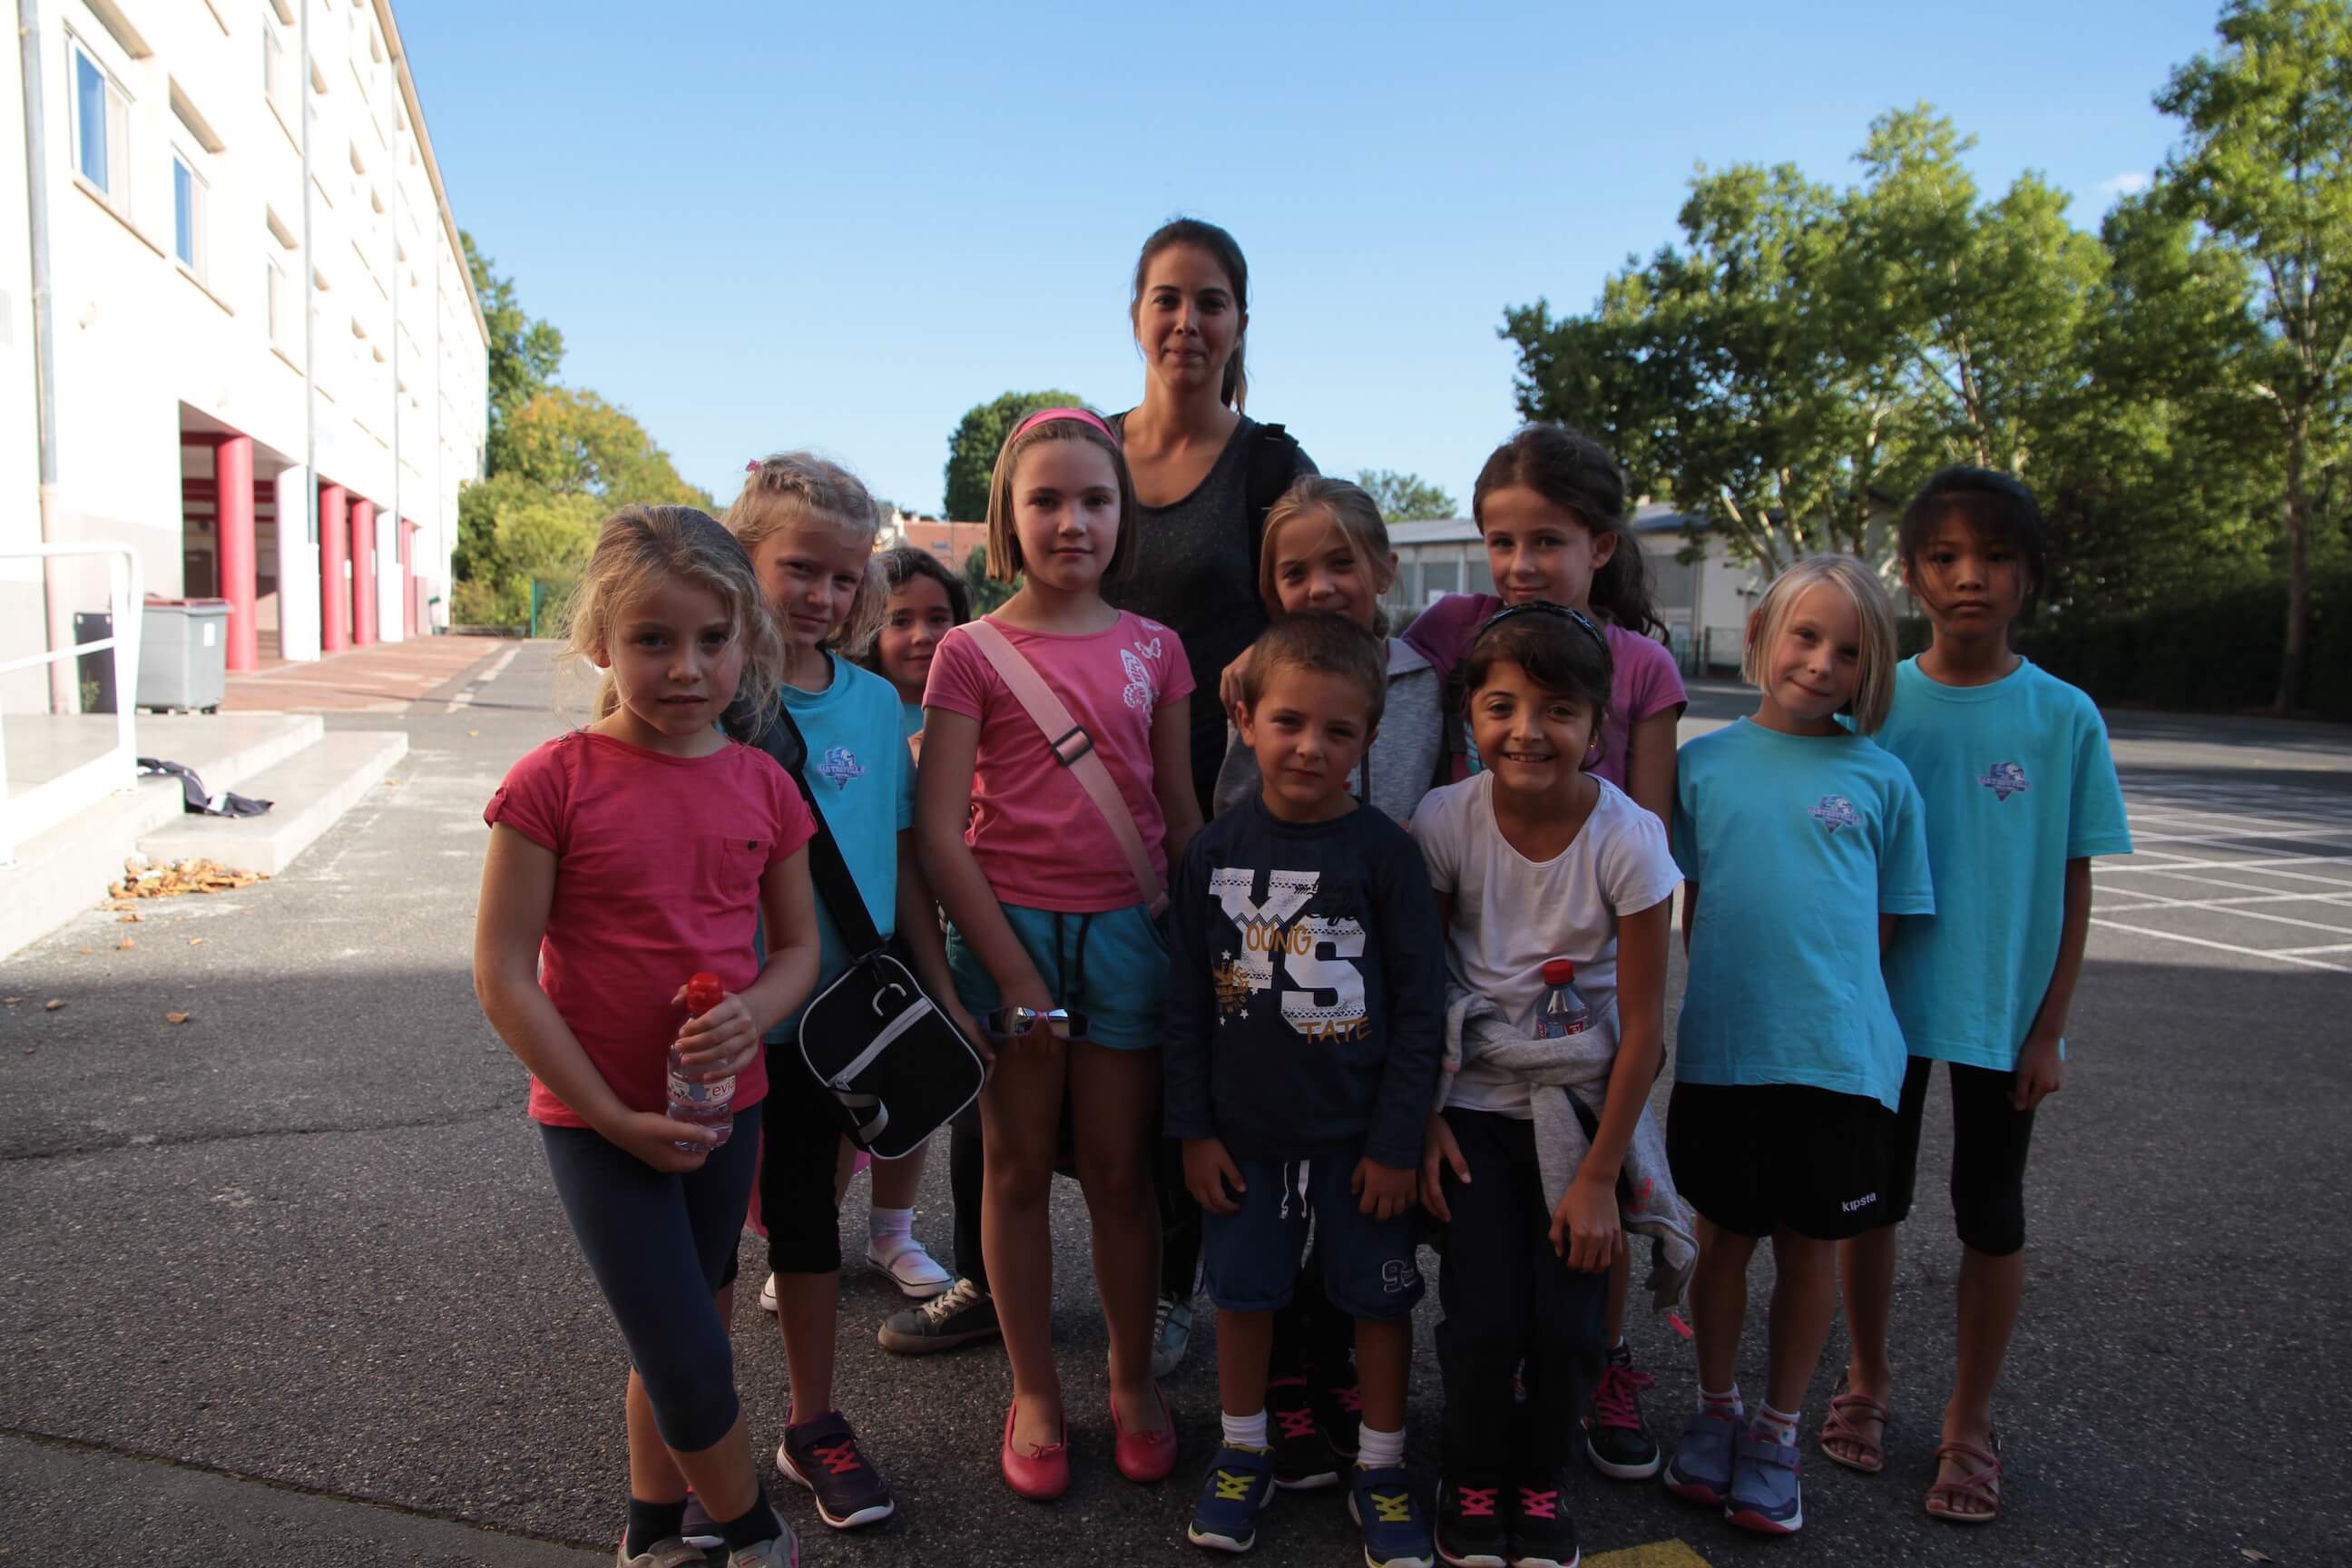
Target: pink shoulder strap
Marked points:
1075	750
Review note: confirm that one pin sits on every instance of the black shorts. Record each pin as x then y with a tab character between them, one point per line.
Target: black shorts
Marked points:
1755	1157
1991	1138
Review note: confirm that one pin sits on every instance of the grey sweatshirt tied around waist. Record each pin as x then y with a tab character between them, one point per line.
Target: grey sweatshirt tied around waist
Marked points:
1580	1064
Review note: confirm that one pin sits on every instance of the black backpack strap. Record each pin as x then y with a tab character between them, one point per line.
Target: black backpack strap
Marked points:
827	869
1273	465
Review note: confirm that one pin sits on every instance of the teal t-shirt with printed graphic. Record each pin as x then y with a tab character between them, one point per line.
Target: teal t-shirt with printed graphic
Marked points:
863	779
2018	781
1798	844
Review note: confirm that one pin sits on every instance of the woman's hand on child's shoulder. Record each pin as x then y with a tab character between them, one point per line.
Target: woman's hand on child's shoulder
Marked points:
1439	1152
655	1139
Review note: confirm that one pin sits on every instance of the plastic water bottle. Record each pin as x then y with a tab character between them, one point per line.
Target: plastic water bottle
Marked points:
1562	1012
704	1102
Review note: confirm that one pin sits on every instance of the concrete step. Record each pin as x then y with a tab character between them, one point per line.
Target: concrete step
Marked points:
311	789
63	871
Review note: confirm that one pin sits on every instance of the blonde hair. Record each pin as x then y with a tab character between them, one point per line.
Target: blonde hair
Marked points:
1872	611
788	488
1349	508
642	545
1004	541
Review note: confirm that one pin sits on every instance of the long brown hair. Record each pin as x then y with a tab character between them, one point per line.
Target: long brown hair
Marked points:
1004	542
1576	473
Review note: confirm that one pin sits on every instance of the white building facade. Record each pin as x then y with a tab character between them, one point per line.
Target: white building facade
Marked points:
270	387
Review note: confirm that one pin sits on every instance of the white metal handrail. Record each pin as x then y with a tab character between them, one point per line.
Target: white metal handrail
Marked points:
20	818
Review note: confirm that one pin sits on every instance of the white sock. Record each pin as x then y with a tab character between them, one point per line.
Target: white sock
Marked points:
1709	1400
1379	1450
882	1224
1245	1431
1780	1425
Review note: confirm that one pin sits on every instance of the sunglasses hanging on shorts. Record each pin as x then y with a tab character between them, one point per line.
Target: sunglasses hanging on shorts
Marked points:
1013	1023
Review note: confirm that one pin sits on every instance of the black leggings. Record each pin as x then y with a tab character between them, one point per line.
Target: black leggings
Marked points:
1991	1138
796	1174
1508	1298
658	1245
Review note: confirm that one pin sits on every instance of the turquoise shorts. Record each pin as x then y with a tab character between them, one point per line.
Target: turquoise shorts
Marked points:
1112	966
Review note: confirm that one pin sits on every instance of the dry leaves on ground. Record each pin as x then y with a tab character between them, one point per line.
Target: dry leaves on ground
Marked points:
175	1017
126	942
182	877
53	1004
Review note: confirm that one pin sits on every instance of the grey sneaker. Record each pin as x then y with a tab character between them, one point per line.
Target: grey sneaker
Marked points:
783	1551
1171	1335
1765	1495
1701	1467
674	1552
963	1314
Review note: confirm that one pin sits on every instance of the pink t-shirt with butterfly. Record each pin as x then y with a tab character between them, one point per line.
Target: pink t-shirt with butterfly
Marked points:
1037	837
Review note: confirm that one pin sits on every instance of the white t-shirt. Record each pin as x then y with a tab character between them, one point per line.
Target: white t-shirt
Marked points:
1512	914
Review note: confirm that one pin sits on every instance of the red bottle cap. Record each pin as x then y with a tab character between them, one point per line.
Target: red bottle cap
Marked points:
703	993
1559	971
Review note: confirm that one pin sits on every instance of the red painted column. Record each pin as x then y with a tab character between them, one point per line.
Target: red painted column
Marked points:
405	531
233	487
362	572
334	593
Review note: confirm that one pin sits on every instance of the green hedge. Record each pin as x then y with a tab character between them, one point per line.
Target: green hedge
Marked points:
2219	652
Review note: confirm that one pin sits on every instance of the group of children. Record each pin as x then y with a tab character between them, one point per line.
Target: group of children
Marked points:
1407	987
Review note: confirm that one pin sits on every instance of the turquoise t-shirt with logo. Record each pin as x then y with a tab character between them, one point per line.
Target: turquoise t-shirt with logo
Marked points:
2018	781
1798	844
863	779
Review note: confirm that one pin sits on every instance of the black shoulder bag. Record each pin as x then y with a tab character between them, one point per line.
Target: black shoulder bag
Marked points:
895	1065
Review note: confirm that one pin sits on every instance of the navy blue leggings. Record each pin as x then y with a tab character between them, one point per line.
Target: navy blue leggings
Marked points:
659	1245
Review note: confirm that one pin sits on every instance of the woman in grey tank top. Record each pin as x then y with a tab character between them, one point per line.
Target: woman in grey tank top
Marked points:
1205	472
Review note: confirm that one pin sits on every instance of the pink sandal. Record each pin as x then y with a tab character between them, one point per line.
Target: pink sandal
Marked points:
1843	1424
1975	1497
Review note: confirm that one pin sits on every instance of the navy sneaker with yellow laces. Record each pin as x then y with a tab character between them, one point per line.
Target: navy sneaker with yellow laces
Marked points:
1396	1531
1239	1484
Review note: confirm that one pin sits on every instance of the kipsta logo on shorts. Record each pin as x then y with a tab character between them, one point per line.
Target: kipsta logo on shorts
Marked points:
840	765
2004	779
1835	812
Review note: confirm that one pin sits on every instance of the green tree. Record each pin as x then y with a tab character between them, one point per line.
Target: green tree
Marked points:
987	592
2263	169
573	442
977	438
525	353
1406	498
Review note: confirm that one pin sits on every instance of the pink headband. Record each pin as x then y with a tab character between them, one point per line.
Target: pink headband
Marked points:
1080	415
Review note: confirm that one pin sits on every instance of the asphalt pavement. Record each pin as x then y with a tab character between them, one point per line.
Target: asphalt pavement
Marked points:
286	1281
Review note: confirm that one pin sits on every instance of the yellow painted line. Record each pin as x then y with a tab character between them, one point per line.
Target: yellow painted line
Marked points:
1656	1554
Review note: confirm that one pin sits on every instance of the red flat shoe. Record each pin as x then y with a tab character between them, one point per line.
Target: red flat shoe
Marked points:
1040	1477
1145	1456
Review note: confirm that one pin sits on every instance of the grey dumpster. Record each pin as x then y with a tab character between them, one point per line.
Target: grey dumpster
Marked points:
184	654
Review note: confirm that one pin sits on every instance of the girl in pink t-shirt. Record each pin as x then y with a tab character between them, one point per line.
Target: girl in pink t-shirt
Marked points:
1054	944
623	858
1550	505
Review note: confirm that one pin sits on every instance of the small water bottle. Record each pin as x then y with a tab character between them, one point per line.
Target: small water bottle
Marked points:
704	1102
1562	1012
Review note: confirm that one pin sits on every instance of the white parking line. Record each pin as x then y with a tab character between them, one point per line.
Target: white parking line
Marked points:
466	698
2223	946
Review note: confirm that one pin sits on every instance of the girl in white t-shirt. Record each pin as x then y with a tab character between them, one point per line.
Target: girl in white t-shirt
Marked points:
1534	859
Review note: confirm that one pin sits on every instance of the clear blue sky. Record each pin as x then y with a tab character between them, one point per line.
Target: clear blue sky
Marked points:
770	226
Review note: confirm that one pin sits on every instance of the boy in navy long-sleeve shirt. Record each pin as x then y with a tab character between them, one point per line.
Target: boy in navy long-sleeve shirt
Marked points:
1305	1029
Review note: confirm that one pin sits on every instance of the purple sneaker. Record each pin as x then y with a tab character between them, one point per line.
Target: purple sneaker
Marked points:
1701	1467
1765	1495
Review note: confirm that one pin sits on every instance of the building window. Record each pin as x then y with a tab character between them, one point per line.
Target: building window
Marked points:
187	215
279	290
102	112
273	66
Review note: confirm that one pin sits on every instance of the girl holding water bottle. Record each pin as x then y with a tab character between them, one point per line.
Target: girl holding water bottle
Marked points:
1534	861
624	858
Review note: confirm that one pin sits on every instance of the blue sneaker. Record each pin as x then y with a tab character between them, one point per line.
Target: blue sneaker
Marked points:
1396	1534
1239	1483
1701	1467
1765	1495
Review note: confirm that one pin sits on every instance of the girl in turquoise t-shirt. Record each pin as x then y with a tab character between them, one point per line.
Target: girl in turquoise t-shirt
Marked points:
2021	793
1800	842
